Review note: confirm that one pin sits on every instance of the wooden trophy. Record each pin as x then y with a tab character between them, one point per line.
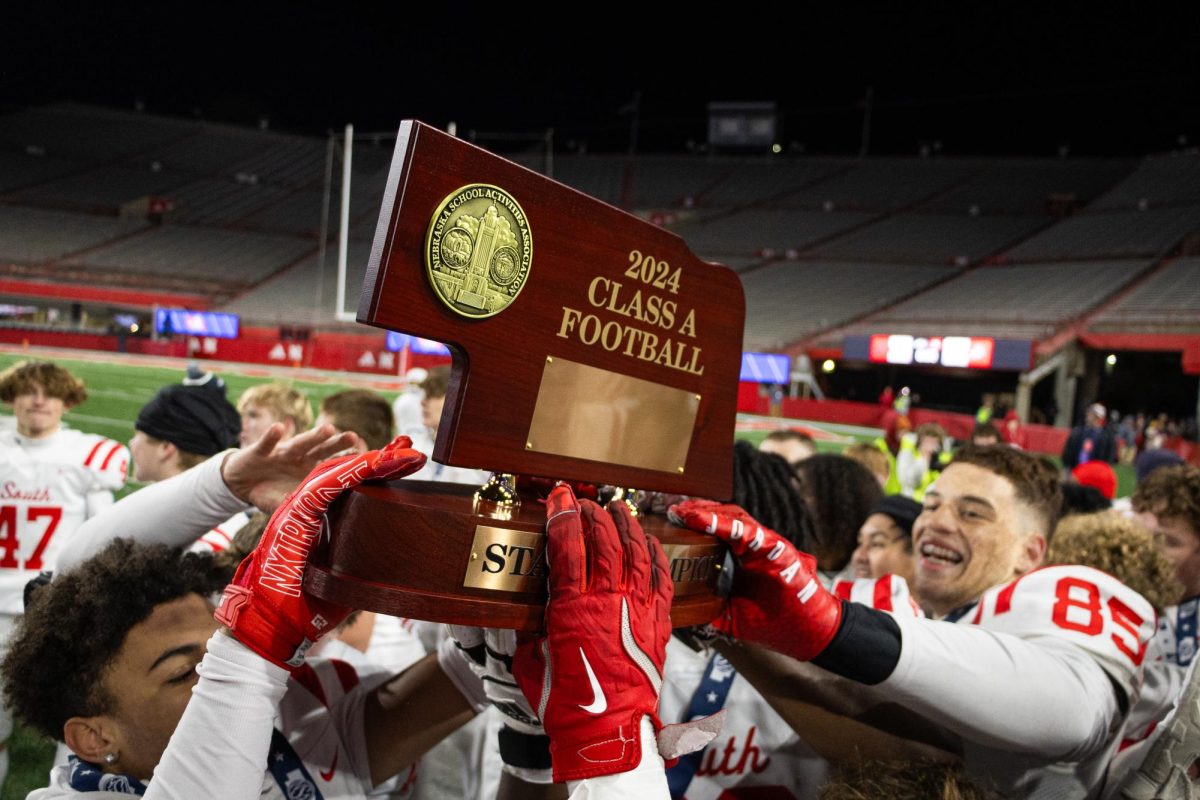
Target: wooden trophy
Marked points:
588	345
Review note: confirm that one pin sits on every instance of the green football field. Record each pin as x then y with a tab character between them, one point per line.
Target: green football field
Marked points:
117	391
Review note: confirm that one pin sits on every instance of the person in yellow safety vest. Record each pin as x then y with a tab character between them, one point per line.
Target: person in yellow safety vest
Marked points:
920	459
986	411
892	485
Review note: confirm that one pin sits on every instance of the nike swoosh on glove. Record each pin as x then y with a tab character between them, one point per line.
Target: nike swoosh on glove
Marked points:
598	669
265	605
777	599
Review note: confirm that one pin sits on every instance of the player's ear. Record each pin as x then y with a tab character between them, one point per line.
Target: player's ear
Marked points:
89	738
1031	554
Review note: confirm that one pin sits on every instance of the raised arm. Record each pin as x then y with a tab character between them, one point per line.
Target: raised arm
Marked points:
973	681
181	509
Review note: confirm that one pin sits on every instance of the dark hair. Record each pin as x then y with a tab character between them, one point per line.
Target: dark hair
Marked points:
840	494
987	429
764	485
362	411
1080	499
75	626
1171	492
22	377
1035	479
437	382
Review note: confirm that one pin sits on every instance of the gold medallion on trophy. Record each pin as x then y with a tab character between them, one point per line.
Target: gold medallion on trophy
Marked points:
478	250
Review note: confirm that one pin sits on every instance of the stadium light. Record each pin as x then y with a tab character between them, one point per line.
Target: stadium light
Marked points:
1111	360
777	148
828	366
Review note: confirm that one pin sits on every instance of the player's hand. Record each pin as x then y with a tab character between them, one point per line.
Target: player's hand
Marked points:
265	472
265	605
598	670
524	746
777	599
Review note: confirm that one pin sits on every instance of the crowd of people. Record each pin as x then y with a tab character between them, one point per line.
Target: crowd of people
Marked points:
926	619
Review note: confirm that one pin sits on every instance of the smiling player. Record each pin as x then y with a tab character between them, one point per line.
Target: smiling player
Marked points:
980	536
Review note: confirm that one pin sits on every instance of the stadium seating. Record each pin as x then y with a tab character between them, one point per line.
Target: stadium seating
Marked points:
19	168
35	235
100	190
772	181
87	134
745	233
304	294
1024	187
825	245
1168	301
1002	294
1164	180
208	254
788	300
931	238
1112	234
883	184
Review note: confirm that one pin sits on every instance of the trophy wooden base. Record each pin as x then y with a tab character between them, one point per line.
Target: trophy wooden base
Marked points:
423	550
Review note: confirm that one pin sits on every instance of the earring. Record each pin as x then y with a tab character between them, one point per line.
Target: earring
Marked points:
110	759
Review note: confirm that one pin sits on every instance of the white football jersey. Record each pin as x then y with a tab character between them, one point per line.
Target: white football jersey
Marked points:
755	747
221	536
1171	652
48	487
1035	716
757	754
1177	632
321	715
1084	606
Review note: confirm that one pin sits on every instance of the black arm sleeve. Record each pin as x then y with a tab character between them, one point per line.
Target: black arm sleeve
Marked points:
866	647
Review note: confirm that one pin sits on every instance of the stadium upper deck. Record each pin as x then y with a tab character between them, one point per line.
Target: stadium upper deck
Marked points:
824	246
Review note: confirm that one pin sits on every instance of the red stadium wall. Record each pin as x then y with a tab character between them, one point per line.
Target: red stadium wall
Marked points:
90	341
343	352
1036	438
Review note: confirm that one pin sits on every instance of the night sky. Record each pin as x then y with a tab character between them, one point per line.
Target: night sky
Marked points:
1104	79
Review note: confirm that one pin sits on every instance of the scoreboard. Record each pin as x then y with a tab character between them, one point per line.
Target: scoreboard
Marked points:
959	352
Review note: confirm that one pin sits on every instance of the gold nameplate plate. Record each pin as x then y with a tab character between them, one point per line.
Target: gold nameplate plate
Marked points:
509	560
692	566
598	415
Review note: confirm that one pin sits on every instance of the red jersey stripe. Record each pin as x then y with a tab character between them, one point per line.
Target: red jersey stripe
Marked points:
115	449
346	674
306	676
87	462
1004	599
883	593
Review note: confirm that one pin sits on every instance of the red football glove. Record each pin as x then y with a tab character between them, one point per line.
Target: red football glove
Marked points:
598	670
777	599
265	606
